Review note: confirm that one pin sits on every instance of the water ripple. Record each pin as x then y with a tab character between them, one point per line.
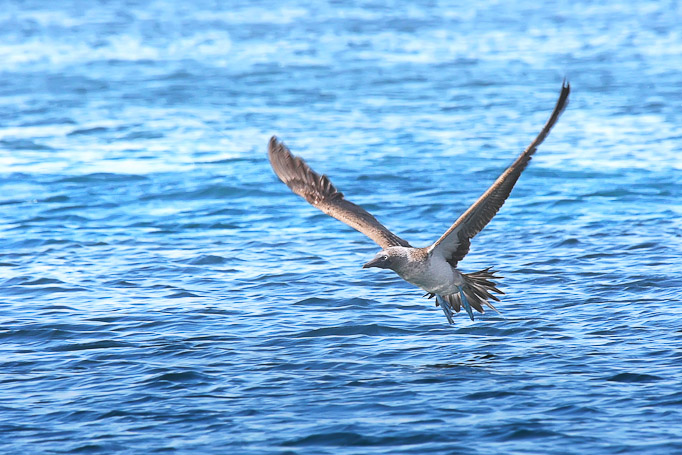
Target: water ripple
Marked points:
161	291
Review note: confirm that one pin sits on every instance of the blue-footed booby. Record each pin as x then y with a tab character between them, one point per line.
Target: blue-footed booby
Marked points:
433	268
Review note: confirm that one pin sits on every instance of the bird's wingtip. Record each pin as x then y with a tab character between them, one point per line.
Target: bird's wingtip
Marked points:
565	86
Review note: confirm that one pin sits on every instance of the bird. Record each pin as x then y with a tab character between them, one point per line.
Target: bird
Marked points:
434	268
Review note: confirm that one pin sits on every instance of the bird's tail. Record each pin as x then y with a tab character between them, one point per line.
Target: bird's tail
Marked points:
477	291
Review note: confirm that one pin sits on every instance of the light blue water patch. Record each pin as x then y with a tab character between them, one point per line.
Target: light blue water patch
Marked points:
162	291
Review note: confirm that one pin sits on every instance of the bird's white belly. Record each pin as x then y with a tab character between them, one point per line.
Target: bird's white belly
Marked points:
435	275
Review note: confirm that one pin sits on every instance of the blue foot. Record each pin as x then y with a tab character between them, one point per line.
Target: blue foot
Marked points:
446	308
465	303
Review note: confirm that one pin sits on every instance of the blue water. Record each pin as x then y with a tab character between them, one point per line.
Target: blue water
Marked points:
162	292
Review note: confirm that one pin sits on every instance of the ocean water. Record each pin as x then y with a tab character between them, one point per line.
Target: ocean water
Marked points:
162	292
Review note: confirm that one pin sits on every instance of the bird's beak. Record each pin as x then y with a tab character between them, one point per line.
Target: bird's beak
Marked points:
373	263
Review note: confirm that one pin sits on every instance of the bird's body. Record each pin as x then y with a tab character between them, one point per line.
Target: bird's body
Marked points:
430	272
433	268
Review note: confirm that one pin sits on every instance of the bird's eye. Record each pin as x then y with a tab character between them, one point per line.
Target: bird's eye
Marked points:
384	258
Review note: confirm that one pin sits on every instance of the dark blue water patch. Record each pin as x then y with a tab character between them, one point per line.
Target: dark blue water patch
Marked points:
178	378
526	432
578	411
41	281
12	202
671	399
38	286
121	283
181	294
567	242
634	377
142	135
50	121
55	199
96	130
226	162
23	144
33	334
353	330
374	382
79	208
647	245
100	177
335	304
97	345
478	396
70	218
208	259
218	191
354	439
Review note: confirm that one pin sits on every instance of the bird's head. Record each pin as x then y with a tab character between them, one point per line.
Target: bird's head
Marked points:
390	258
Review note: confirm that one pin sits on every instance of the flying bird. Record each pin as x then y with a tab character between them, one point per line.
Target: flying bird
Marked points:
433	268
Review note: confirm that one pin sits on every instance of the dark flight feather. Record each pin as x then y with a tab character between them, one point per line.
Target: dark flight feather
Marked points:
319	191
456	240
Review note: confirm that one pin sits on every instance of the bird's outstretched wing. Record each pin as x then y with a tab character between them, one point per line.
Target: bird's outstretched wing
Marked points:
454	244
319	191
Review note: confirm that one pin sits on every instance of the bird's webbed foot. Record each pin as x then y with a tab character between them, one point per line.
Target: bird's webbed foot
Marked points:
446	308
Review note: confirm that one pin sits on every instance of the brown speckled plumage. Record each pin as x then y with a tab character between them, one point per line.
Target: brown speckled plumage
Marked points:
319	191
